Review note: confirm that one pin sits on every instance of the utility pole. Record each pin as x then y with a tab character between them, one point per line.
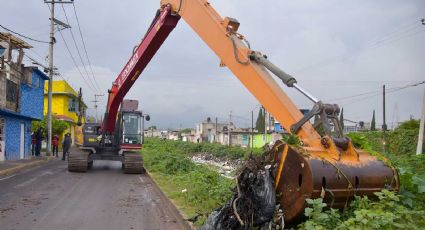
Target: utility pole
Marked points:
384	125
265	124
215	133
421	128
96	101
252	129
49	93
228	129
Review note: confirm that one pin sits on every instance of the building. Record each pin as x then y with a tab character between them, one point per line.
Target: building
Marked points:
21	99
208	130
65	106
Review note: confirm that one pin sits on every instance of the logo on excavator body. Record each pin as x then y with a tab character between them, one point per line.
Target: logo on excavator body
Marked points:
135	75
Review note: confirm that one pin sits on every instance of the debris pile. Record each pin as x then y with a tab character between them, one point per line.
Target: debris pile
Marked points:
253	202
225	167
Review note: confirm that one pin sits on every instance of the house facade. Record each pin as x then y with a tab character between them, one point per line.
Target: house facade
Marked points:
21	99
208	131
65	107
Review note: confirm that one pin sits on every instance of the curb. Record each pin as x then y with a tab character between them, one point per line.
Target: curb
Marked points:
21	167
174	206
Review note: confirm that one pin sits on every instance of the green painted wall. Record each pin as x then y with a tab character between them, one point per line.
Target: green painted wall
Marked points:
260	141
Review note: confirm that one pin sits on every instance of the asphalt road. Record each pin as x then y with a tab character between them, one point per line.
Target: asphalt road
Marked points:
50	197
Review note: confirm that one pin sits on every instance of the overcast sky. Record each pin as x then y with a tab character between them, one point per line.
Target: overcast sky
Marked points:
336	49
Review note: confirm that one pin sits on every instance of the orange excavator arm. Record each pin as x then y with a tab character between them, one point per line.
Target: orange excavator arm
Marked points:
325	166
222	37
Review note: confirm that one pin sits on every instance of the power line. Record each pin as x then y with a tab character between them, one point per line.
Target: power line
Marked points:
391	90
75	63
24	36
396	35
84	46
78	51
366	95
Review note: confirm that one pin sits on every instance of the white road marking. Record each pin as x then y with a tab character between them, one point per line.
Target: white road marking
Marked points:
26	183
7	177
48	172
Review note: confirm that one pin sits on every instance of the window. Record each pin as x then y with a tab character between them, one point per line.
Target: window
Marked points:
92	130
132	133
11	91
72	105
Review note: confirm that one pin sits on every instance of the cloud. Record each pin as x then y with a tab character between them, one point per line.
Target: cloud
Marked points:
334	48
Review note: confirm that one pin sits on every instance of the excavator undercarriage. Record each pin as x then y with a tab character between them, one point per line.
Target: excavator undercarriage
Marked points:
82	160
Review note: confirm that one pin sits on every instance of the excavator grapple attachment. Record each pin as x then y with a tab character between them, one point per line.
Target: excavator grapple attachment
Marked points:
302	175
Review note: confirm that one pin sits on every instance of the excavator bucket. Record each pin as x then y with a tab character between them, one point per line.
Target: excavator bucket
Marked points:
304	174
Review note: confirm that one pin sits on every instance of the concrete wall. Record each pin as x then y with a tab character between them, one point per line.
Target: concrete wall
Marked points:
2	90
62	92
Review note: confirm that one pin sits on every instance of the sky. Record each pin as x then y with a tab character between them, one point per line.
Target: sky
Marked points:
341	51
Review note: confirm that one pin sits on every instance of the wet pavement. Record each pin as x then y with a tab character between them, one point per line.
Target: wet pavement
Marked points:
50	197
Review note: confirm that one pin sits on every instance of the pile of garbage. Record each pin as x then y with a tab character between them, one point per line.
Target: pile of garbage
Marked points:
253	202
225	167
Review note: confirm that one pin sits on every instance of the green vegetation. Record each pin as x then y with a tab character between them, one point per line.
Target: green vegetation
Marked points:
199	189
194	188
392	211
386	213
58	126
189	149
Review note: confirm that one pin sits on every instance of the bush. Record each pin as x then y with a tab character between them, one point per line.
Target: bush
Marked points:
386	213
188	148
204	189
391	211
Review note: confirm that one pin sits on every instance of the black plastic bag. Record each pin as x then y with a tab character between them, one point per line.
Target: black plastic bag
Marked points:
252	204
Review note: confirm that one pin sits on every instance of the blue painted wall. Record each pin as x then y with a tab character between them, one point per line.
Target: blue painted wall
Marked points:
32	97
13	137
31	108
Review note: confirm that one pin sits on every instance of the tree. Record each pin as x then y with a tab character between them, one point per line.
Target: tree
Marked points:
341	119
260	123
409	124
373	123
58	126
153	127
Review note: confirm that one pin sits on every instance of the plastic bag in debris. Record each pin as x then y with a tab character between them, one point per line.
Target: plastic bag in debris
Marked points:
253	203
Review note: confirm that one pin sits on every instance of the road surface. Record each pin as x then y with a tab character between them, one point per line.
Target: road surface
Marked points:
50	197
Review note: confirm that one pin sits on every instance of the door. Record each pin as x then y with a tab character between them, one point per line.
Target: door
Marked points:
2	139
22	142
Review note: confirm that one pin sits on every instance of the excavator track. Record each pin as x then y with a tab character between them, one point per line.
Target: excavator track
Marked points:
133	163
78	161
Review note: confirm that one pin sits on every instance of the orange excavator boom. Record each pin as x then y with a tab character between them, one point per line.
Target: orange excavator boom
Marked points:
327	165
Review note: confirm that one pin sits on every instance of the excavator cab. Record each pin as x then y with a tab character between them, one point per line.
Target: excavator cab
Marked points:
132	129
